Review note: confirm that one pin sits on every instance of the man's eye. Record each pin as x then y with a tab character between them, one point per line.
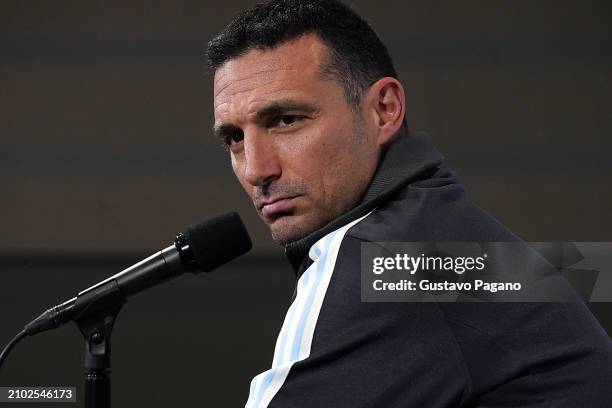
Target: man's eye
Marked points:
234	137
288	120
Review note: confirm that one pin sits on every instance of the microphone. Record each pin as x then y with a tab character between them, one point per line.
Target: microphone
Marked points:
202	247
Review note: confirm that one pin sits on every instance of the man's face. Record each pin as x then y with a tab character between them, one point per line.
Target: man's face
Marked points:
299	151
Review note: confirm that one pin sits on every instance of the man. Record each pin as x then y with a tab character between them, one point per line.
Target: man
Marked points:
309	105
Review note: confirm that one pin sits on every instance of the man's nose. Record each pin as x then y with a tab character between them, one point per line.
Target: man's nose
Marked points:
262	165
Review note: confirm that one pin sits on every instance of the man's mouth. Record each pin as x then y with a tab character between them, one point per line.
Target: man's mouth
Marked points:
277	207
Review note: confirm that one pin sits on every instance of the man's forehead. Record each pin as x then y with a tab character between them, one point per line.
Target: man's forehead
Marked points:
233	80
290	63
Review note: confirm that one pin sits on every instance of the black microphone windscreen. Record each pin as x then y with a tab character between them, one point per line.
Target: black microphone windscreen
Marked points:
218	240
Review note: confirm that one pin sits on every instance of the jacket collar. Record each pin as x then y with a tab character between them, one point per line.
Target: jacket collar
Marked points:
407	159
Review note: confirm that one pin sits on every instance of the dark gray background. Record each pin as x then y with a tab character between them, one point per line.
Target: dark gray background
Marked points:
106	152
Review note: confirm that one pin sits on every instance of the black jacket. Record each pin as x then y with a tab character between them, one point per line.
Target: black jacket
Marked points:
336	351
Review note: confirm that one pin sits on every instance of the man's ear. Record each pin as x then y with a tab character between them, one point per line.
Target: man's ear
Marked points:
386	105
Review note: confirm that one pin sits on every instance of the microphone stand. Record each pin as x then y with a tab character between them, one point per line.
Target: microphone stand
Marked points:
97	328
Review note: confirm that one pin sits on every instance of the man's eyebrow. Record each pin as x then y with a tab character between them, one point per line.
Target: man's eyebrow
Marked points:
280	107
274	109
223	130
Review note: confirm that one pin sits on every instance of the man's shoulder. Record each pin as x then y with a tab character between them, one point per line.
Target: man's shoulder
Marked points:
498	349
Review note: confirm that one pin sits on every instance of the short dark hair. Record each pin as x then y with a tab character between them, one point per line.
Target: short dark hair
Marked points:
357	56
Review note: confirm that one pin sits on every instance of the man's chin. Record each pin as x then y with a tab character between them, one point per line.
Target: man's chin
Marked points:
289	228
